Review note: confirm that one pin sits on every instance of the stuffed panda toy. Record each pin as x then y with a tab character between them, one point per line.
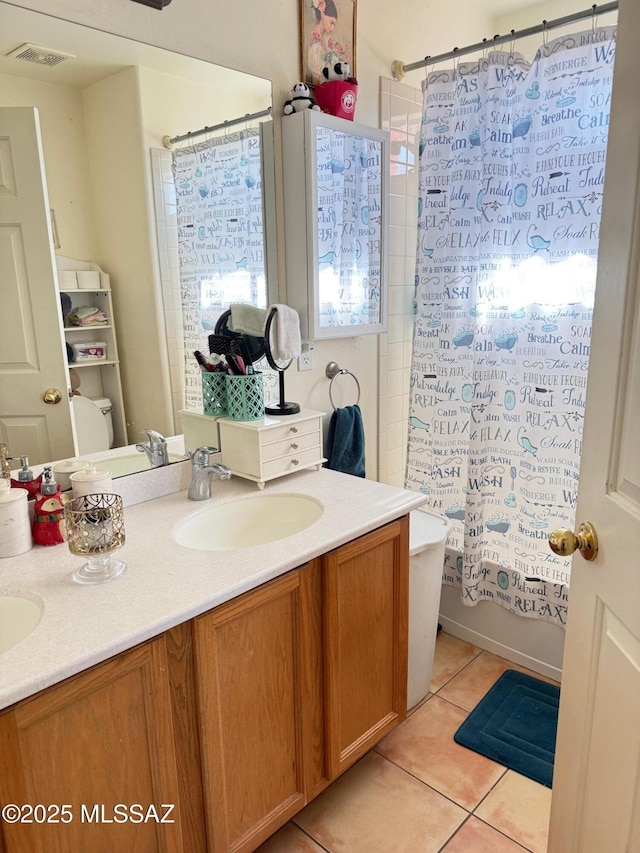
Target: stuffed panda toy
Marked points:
339	71
301	99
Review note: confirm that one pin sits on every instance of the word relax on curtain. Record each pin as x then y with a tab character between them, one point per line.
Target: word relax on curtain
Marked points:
512	158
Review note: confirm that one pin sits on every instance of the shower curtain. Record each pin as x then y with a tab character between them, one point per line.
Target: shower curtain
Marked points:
220	238
512	160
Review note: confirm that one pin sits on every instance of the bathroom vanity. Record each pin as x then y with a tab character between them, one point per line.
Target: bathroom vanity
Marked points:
234	685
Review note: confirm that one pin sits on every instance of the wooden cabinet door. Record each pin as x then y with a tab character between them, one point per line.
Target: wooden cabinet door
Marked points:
102	739
256	705
365	587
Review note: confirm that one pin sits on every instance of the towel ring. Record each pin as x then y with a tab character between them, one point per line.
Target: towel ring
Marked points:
333	370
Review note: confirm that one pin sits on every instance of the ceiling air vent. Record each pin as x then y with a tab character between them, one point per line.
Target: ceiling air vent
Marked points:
40	55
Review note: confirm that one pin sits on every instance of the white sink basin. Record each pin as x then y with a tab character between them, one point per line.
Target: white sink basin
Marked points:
247	522
18	617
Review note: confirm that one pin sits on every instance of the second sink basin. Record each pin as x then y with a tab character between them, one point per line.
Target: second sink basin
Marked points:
18	617
247	522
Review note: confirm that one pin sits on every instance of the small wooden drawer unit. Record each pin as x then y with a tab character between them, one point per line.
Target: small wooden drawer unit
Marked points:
273	446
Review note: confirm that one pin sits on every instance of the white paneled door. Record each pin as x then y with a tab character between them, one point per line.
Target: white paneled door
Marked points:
32	358
596	786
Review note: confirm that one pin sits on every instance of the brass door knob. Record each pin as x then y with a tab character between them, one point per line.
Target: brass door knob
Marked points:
52	396
565	542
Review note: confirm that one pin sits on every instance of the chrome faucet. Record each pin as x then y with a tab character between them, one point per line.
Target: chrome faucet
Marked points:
156	450
202	472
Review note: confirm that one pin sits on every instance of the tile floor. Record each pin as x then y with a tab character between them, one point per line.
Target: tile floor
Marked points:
417	791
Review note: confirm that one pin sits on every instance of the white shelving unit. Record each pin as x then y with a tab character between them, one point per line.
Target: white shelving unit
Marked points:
99	377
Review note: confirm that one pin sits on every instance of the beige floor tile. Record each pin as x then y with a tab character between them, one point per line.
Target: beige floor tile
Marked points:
468	687
424	746
377	808
289	839
520	808
451	656
477	837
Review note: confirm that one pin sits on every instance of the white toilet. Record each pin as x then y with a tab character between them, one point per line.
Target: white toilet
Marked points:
94	426
427	535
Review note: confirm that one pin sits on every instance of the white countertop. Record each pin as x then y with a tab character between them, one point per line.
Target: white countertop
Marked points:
165	583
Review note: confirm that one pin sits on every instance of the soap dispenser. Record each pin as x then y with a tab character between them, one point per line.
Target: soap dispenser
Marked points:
15	526
26	480
48	514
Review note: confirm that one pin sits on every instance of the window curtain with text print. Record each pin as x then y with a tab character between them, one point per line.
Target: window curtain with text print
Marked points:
512	161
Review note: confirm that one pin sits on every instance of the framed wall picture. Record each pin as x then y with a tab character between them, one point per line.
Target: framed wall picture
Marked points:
328	30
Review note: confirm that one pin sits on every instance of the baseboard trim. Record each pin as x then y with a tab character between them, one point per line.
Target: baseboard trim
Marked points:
456	629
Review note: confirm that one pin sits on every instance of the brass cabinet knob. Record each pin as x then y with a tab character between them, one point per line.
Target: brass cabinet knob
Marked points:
565	542
52	396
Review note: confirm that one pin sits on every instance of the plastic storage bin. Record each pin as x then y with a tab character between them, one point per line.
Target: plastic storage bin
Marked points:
427	535
90	351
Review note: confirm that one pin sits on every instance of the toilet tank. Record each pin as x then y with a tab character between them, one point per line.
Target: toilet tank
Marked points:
106	406
427	536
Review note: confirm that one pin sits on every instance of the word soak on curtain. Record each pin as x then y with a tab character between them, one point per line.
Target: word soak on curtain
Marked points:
220	238
512	160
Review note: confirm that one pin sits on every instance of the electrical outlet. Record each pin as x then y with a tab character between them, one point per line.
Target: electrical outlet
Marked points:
304	360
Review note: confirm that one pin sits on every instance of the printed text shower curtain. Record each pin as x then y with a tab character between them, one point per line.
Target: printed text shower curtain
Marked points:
512	158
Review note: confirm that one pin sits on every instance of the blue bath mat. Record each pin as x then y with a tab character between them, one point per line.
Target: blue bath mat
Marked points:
515	724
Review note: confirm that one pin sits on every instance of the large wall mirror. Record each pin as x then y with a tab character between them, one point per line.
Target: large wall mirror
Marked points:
104	105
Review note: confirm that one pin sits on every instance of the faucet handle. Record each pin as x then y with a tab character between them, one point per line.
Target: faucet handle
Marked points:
201	455
154	437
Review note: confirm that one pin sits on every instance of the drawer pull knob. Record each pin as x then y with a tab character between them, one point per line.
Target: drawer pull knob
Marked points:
295	462
294	446
293	429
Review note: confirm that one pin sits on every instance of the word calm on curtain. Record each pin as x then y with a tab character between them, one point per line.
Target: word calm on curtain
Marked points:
220	238
512	160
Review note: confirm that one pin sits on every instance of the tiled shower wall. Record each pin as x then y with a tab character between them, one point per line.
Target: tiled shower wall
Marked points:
401	115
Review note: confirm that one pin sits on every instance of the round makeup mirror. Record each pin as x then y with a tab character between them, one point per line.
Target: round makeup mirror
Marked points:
255	346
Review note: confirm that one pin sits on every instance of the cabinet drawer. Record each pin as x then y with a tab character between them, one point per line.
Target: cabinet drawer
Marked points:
291	430
291	445
292	462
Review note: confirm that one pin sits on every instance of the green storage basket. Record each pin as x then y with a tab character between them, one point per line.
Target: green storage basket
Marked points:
245	397
214	393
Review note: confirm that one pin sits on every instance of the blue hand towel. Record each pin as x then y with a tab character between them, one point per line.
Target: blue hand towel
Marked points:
345	441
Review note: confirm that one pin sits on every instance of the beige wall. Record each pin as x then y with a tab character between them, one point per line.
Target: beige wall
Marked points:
65	155
263	39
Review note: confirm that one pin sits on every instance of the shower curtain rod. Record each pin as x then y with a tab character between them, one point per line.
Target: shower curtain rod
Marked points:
168	142
399	69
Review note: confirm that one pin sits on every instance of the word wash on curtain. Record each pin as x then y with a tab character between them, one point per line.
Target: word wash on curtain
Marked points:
512	158
220	238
